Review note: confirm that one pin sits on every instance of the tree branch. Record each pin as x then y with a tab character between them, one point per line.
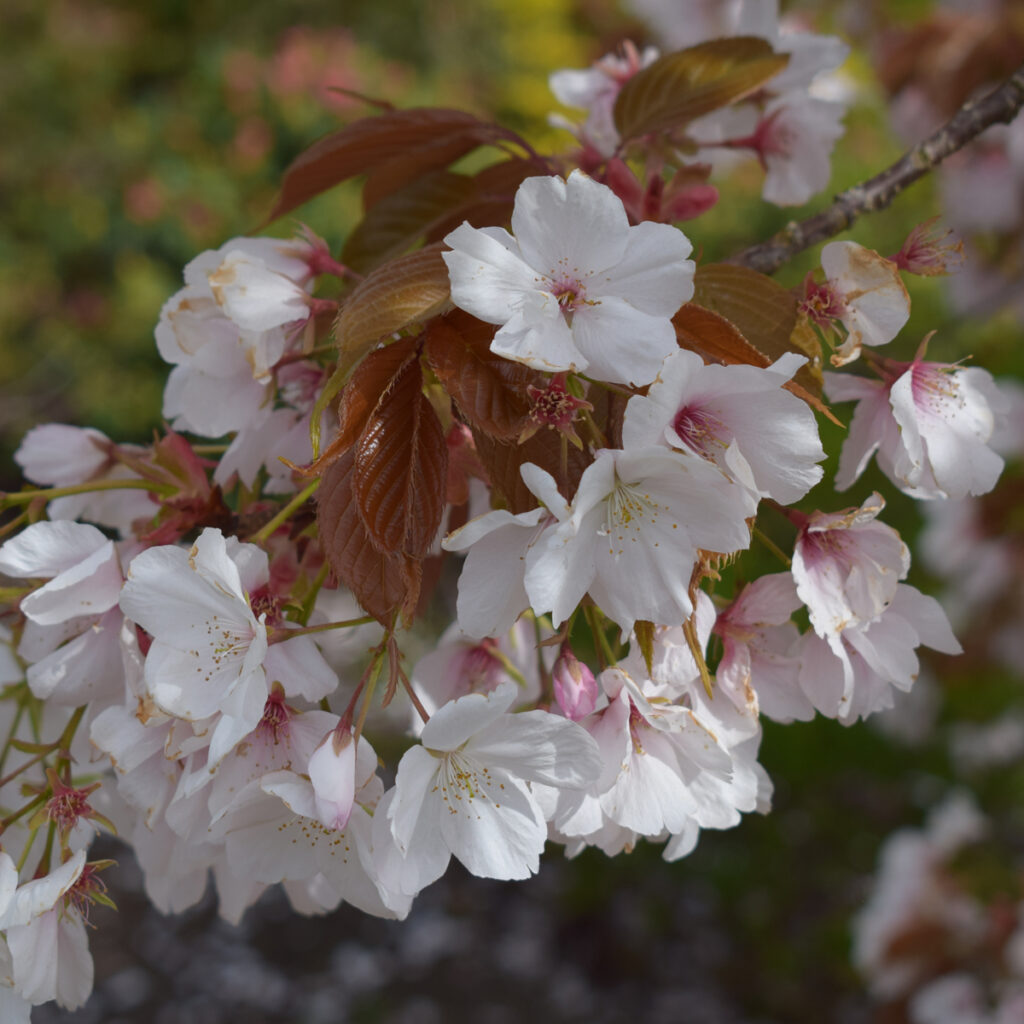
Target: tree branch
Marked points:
999	106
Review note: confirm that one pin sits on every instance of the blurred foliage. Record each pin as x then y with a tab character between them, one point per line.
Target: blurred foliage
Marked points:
137	135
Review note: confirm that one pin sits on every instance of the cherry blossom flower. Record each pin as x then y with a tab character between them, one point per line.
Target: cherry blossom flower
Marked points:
48	942
71	637
574	287
757	665
59	455
210	654
595	89
631	535
461	664
847	566
851	675
720	412
864	292
930	424
464	791
794	141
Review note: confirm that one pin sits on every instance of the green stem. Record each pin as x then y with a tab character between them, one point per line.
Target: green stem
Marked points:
506	663
135	484
293	506
287	634
772	546
371	685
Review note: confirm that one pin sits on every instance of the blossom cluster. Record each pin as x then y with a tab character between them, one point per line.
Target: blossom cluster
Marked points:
196	651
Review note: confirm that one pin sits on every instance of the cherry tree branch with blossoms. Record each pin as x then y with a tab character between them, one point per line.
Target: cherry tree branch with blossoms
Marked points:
520	372
1000	106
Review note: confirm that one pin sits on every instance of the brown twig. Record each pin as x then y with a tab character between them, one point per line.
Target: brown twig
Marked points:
998	107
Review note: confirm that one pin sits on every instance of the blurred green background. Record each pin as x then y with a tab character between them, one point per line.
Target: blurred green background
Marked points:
136	135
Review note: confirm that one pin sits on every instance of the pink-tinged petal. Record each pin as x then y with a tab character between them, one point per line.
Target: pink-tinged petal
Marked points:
927	618
452	725
45	549
89	588
649	796
332	771
824	676
489	278
621	343
654	274
61	455
40	895
539	747
492	825
648	419
872	426
569	227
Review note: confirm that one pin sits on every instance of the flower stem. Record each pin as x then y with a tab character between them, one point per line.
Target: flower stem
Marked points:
286	634
293	506
48	493
772	546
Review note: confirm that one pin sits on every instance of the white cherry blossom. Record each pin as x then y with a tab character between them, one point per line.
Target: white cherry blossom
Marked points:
852	675
867	294
721	413
847	566
595	90
210	654
574	287
631	535
930	428
465	792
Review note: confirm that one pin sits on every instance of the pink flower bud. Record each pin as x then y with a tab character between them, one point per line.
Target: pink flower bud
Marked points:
332	771
575	686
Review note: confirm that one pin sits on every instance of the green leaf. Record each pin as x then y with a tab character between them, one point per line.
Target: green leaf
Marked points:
687	84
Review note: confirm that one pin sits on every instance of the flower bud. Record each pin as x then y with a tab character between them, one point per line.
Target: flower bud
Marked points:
332	771
575	686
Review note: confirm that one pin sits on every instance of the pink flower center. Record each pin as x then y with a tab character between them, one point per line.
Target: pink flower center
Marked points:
570	295
936	390
275	716
701	431
478	670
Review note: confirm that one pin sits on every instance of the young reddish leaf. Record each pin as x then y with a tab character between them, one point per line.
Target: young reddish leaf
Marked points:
489	391
397	221
685	85
493	197
717	340
762	310
502	462
425	138
402	292
401	466
714	338
380	582
362	394
765	314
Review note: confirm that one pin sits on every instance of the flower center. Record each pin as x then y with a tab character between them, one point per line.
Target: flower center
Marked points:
701	431
629	512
